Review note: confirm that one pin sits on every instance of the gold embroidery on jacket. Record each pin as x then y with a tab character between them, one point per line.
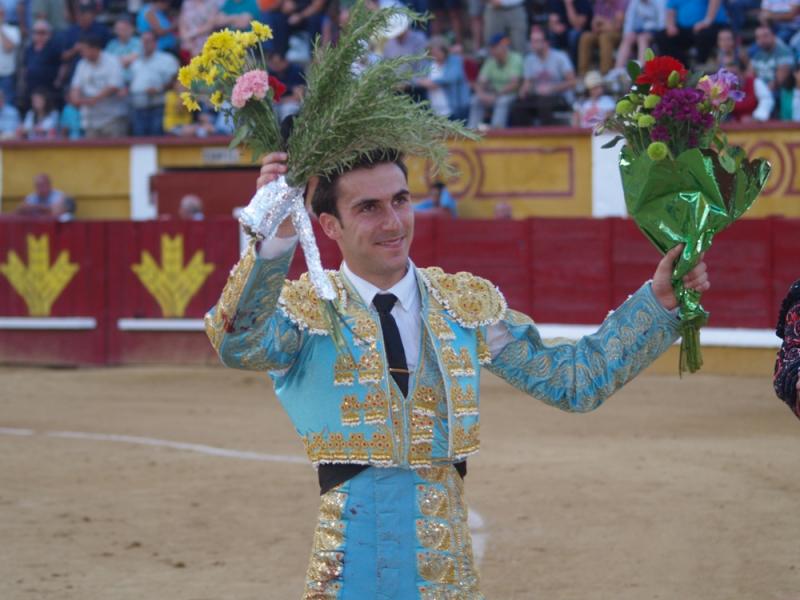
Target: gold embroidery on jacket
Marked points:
465	401
344	369
324	575
225	311
471	300
354	448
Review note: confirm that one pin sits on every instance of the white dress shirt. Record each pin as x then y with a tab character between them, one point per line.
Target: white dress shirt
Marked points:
406	310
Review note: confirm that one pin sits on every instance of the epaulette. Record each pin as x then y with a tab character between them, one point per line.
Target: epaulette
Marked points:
301	305
470	300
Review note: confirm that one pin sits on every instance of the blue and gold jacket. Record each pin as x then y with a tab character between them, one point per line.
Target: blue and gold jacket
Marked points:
330	371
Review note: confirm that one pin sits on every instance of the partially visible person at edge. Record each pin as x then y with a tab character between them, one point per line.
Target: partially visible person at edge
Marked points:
439	202
787	365
387	403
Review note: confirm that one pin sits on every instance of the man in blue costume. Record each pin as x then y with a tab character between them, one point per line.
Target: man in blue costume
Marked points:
383	389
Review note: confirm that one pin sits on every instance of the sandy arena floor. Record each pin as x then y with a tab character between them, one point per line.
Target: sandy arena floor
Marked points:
675	490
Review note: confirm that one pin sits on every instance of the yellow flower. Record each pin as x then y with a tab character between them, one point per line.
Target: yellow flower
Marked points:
263	32
216	99
210	76
186	75
189	102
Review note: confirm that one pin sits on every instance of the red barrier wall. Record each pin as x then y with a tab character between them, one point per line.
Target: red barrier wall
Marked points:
556	270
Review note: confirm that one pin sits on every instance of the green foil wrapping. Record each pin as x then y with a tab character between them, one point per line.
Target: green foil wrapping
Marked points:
687	200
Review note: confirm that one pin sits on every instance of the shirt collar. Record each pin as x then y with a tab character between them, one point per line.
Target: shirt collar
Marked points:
406	289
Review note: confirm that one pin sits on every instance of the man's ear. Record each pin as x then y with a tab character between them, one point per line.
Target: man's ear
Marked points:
330	226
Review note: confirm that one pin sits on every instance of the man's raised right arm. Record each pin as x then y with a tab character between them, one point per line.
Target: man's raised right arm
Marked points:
245	327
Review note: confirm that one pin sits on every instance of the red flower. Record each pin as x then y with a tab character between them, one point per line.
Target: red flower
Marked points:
656	72
278	89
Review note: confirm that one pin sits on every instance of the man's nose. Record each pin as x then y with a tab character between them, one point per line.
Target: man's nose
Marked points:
392	219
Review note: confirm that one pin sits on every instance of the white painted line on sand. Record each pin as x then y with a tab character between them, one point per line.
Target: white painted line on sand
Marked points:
474	519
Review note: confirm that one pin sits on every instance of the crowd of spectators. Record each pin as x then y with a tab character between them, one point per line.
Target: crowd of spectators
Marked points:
105	68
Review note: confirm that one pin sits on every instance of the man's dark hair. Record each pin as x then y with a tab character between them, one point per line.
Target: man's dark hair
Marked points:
93	41
324	199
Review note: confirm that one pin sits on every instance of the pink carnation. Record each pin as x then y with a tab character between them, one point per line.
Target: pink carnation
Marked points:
253	84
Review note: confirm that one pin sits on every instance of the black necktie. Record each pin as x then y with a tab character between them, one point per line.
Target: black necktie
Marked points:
391	338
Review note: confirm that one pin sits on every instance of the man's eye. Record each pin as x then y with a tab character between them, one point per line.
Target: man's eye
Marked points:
367	208
401	200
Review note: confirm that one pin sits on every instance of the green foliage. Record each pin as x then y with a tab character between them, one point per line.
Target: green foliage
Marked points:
348	112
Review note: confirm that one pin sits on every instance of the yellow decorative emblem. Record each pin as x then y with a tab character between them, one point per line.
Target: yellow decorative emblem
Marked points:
40	283
172	284
472	301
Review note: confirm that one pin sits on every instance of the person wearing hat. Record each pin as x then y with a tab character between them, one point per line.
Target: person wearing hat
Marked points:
497	85
597	106
548	83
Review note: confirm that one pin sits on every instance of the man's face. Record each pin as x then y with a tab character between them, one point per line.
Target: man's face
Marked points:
500	52
148	43
85	19
765	38
42	185
376	223
89	52
538	42
725	41
123	30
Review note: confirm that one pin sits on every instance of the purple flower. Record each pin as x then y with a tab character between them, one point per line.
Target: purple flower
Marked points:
659	133
720	87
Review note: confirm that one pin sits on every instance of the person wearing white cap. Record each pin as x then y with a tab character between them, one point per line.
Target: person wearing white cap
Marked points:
597	106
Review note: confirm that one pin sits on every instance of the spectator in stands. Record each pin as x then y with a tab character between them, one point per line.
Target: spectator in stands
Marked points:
475	10
566	21
725	51
99	91
597	106
772	61
692	24
439	202
70	123
442	11
549	80
644	19
506	17
125	45
176	116
783	16
238	13
790	98
86	25
787	364
497	85
446	83
42	60
191	208
604	33
10	39
197	19
292	77
152	75
41	121
52	11
9	118
739	11
154	16
408	42
503	211
44	197
758	102
291	17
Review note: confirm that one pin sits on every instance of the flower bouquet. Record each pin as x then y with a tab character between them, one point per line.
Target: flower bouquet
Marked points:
683	182
347	112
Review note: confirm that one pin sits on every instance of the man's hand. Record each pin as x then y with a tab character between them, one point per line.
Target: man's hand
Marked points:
273	165
696	279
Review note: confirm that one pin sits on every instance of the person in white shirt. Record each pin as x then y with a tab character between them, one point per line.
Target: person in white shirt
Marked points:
152	75
594	109
98	89
9	46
